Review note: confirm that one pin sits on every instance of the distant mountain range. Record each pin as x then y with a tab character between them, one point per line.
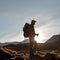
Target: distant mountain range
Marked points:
9	43
25	41
51	44
14	43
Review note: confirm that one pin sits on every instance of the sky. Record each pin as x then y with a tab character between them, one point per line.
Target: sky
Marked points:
15	13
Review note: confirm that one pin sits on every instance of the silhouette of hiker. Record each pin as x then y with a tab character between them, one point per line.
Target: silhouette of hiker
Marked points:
33	44
30	32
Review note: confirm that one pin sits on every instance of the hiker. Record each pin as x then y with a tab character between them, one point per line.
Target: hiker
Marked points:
30	33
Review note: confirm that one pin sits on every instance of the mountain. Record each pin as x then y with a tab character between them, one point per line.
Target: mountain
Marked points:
9	43
53	39
53	43
25	41
14	43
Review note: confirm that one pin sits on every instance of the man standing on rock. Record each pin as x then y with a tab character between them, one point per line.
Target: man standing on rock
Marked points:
30	33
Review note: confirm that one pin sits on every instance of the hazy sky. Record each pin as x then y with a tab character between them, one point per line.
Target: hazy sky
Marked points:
14	14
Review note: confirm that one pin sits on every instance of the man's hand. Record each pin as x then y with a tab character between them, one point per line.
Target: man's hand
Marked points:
37	34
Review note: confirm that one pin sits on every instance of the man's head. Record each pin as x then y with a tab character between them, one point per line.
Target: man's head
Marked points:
33	22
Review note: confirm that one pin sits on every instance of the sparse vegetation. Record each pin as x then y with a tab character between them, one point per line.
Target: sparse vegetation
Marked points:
8	54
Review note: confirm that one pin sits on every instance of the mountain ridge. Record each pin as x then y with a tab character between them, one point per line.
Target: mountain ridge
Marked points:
51	44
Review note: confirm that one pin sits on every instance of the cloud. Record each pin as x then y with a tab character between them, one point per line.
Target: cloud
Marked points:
11	38
49	29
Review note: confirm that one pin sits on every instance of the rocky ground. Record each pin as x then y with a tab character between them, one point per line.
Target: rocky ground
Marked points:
7	54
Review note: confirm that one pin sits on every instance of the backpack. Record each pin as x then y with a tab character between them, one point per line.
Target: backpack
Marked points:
26	29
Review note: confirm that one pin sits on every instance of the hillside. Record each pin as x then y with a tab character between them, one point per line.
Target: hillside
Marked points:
51	44
53	39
